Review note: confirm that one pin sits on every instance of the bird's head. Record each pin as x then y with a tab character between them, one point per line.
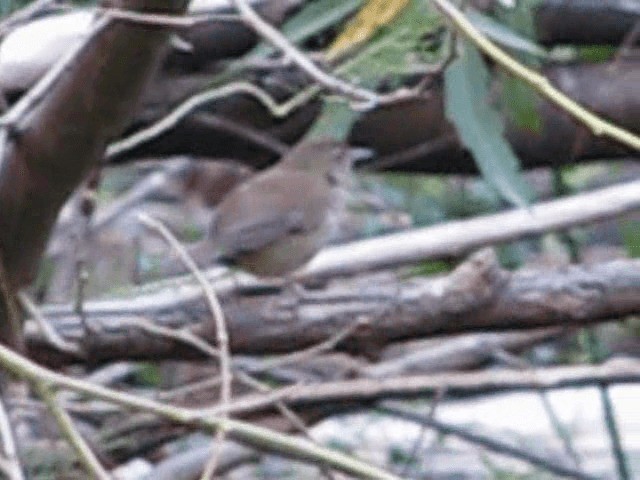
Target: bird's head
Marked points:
329	158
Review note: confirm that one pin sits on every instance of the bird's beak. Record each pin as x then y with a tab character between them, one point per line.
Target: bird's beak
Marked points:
360	156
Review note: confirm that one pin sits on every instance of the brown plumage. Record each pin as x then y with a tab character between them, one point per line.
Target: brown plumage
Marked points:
278	220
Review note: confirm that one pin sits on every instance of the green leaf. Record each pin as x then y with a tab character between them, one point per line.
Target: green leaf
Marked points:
334	121
398	48
631	235
314	18
504	35
596	53
480	128
520	103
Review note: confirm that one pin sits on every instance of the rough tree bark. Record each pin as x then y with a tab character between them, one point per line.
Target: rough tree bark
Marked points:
58	132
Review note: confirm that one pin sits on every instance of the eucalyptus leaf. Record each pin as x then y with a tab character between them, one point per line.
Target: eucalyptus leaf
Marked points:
631	235
480	127
398	48
504	35
335	120
314	18
520	103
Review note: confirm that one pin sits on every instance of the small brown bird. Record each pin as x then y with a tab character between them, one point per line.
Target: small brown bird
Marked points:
278	220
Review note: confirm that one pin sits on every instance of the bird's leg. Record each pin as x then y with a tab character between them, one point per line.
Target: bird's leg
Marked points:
287	303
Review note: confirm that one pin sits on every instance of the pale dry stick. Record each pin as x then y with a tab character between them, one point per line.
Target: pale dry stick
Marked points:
598	126
141	191
190	339
560	430
27	13
419	441
50	333
305	354
185	108
330	82
187	389
458	237
68	430
626	47
222	334
491	444
11	462
245	132
163	20
11	120
242	431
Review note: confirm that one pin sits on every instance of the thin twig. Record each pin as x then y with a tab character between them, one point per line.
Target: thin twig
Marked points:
455	238
222	334
594	350
50	333
630	39
28	12
273	36
12	467
242	431
169	21
244	132
244	378
307	353
538	82
395	410
185	108
417	445
68	430
563	434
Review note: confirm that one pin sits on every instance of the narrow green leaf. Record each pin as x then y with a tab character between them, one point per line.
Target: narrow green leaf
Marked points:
397	48
314	18
520	103
480	127
335	120
631	235
504	35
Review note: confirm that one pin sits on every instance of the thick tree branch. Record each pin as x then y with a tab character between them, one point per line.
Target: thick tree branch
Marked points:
478	295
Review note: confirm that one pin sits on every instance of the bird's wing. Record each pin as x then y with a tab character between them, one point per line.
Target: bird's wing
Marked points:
260	213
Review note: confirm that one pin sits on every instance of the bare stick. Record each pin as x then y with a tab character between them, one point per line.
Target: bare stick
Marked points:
453	239
495	445
50	333
169	21
242	431
172	119
68	430
11	461
273	36
222	334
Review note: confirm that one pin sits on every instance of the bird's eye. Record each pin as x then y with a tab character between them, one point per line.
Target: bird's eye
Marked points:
332	179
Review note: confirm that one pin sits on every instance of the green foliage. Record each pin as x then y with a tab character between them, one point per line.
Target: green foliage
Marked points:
596	53
519	17
314	18
148	375
514	29
631	236
480	128
398	48
335	120
505	36
430	268
520	104
400	456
